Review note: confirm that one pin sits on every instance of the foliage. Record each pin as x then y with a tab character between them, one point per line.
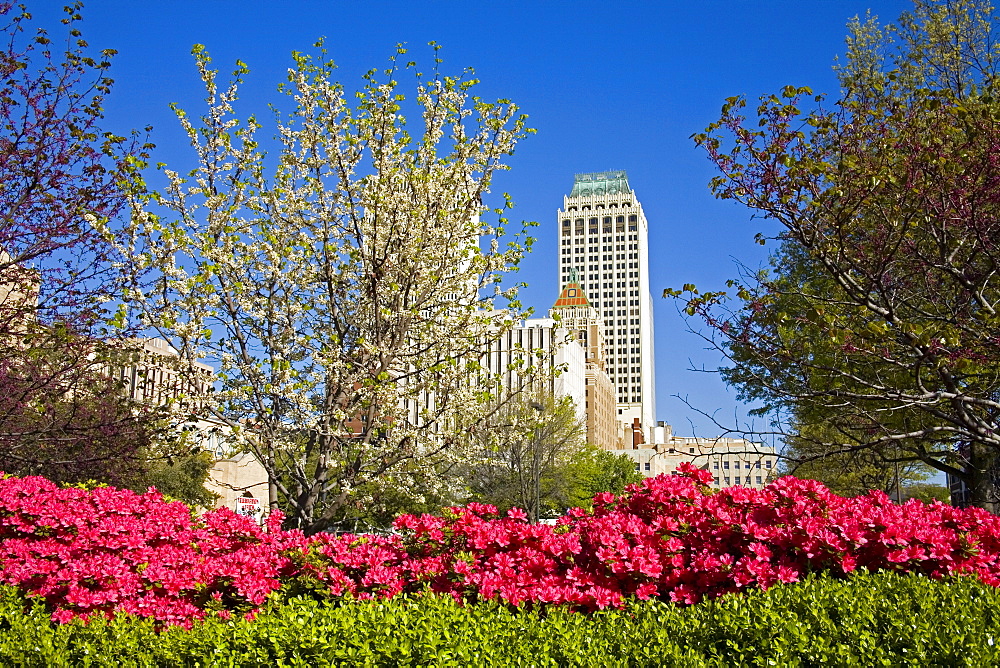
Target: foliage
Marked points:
60	410
180	476
852	472
65	420
96	433
927	493
849	471
344	287
672	538
877	327
373	507
867	619
60	175
572	482
523	455
594	470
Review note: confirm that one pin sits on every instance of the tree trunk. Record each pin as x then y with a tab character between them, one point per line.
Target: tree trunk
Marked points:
272	487
981	473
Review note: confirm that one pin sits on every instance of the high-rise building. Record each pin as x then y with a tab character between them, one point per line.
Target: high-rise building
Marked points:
603	236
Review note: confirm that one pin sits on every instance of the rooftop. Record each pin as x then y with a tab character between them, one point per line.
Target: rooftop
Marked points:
600	183
572	295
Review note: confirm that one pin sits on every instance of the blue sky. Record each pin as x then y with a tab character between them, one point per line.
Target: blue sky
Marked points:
610	85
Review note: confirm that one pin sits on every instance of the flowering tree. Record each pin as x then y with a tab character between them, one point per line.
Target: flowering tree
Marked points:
879	320
343	286
61	414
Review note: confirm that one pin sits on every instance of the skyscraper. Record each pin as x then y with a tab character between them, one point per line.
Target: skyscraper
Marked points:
603	235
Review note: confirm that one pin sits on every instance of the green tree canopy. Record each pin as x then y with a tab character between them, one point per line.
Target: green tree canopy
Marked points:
876	326
521	456
594	471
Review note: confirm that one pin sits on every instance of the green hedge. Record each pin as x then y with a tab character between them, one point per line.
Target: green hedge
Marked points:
868	620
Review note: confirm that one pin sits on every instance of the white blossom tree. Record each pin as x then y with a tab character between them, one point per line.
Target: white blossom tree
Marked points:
344	284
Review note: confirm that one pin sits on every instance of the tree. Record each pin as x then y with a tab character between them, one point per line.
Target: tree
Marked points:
374	507
592	471
61	412
68	421
927	493
847	471
179	476
878	319
523	456
344	286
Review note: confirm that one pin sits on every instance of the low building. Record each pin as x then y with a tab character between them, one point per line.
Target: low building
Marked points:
150	373
241	476
731	461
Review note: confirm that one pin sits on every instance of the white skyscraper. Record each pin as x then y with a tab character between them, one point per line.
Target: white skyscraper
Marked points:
603	235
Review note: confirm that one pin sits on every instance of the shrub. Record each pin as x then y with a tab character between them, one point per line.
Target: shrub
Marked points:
866	619
669	537
103	550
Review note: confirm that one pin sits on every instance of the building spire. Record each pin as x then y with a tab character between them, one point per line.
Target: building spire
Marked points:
572	295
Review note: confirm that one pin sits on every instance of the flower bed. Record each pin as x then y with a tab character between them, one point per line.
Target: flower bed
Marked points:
669	537
108	549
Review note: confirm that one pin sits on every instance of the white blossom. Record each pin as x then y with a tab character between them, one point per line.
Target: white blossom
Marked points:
337	283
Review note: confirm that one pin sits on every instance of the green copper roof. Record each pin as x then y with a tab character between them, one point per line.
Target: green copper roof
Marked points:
600	183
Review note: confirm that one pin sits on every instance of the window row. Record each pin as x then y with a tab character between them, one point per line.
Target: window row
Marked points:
759	481
611	205
746	465
606	226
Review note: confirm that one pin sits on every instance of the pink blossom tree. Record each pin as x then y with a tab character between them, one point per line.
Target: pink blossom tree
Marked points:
61	412
876	328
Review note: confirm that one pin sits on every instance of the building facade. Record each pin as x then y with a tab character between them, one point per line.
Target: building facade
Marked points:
152	374
532	352
603	237
731	461
577	316
236	477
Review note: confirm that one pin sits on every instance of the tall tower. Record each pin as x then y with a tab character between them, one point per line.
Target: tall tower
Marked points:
584	322
603	236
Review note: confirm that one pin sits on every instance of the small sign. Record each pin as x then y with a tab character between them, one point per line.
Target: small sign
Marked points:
248	506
